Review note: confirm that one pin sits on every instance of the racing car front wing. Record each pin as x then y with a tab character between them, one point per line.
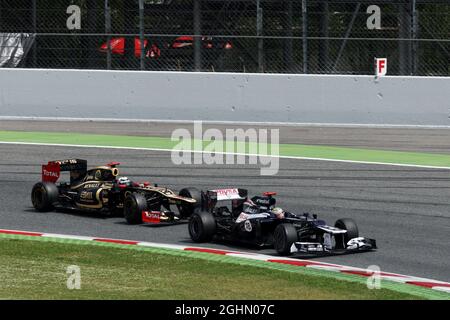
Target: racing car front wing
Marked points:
157	217
354	245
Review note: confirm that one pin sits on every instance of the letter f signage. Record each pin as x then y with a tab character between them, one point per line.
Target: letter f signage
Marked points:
380	67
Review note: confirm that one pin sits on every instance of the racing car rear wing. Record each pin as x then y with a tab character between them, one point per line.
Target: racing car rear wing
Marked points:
52	170
210	197
227	194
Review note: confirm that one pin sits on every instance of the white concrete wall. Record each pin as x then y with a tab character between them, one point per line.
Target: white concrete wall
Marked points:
225	97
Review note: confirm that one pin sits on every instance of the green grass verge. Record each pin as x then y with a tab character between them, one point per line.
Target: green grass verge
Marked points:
291	150
35	268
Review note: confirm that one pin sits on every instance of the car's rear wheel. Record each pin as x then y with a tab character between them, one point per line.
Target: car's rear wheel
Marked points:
187	209
133	206
44	195
284	236
352	231
202	226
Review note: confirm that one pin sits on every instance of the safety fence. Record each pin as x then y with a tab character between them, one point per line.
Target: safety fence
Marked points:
273	36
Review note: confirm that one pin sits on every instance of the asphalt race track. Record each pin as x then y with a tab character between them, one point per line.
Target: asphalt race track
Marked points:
405	209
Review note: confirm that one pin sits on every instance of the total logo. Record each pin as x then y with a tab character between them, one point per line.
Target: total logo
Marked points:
152	214
50	174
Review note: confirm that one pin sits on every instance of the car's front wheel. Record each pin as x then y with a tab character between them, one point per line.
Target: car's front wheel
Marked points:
187	209
352	231
284	236
134	205
44	195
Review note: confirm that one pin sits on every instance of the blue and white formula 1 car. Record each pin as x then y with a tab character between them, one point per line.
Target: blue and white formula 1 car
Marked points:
258	222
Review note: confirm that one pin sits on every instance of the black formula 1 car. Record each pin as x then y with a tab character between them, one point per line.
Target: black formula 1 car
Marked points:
101	189
258	222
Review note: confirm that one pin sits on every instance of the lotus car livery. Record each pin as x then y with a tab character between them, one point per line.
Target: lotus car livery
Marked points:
102	189
257	221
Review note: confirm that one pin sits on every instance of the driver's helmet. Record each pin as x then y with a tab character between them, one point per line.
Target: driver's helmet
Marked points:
124	181
278	212
250	207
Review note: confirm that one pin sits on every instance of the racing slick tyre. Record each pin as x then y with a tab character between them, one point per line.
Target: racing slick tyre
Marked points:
352	231
44	195
133	206
187	209
202	226
284	236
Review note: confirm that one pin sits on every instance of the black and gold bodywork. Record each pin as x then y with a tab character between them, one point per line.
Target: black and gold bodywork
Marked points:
100	189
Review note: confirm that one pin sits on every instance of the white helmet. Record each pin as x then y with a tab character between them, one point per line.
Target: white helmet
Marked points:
278	212
124	180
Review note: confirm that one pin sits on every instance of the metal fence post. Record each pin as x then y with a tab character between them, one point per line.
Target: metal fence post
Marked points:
305	35
324	33
404	44
197	35
259	33
141	32
108	32
34	18
414	31
288	45
90	55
